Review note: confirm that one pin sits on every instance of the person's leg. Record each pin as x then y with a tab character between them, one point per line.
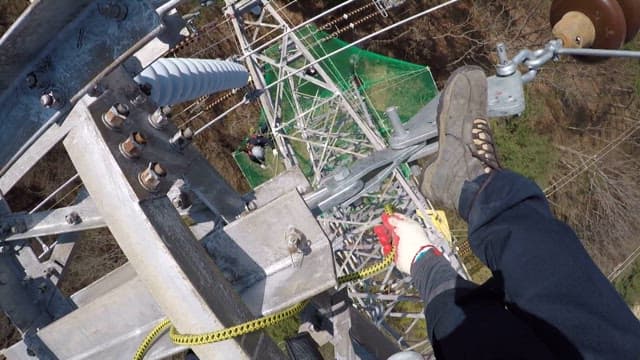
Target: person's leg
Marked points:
546	274
464	320
467	321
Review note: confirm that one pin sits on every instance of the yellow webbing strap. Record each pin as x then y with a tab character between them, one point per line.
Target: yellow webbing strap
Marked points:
250	326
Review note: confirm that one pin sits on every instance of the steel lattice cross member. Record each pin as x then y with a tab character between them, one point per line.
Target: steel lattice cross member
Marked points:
170	272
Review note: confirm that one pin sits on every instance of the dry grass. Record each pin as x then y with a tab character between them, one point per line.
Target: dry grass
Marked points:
9	11
96	253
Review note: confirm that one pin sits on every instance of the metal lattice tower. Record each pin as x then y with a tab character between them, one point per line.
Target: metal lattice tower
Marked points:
335	130
188	236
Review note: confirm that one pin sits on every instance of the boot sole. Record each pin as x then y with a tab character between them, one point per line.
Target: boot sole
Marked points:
476	107
445	101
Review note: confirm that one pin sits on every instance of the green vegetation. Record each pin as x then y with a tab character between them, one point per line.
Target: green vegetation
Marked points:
522	149
420	329
628	284
284	330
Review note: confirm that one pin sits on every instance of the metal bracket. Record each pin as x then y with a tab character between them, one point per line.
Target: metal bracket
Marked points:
330	313
52	222
263	270
411	141
346	185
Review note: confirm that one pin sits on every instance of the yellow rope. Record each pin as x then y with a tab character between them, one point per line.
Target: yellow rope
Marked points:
235	331
253	325
368	271
150	339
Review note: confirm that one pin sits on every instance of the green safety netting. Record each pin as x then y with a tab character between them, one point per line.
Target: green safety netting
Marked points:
379	81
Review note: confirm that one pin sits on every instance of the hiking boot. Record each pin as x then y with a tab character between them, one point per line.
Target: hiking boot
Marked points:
466	143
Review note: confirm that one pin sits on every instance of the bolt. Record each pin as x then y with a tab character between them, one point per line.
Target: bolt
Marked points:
139	99
96	90
146	88
502	54
73	218
138	95
50	270
298	245
181	139
113	10
251	205
46	100
396	123
122	109
181	201
297	241
160	118
293	239
51	99
150	177
115	117
18	228
132	146
31	80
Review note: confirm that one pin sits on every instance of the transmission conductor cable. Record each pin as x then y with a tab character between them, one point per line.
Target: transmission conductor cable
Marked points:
361	40
295	28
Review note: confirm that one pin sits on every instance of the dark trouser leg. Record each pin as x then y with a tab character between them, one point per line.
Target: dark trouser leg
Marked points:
548	278
466	321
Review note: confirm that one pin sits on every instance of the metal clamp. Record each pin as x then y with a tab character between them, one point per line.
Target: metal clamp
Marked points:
364	176
533	60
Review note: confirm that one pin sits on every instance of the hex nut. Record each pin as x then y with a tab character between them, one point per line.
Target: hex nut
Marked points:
133	145
160	118
181	201
181	139
73	218
150	178
115	117
47	100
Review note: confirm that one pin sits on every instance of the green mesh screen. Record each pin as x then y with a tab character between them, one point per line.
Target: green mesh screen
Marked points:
379	80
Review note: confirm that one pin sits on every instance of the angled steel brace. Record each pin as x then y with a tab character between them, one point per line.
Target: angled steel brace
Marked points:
173	266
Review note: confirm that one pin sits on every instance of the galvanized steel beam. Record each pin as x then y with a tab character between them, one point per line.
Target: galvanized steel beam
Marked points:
178	273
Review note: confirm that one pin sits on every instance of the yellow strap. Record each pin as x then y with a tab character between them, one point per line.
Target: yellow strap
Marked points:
439	220
250	326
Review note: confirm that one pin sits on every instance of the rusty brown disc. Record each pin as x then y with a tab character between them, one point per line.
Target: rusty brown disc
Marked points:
631	10
606	15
